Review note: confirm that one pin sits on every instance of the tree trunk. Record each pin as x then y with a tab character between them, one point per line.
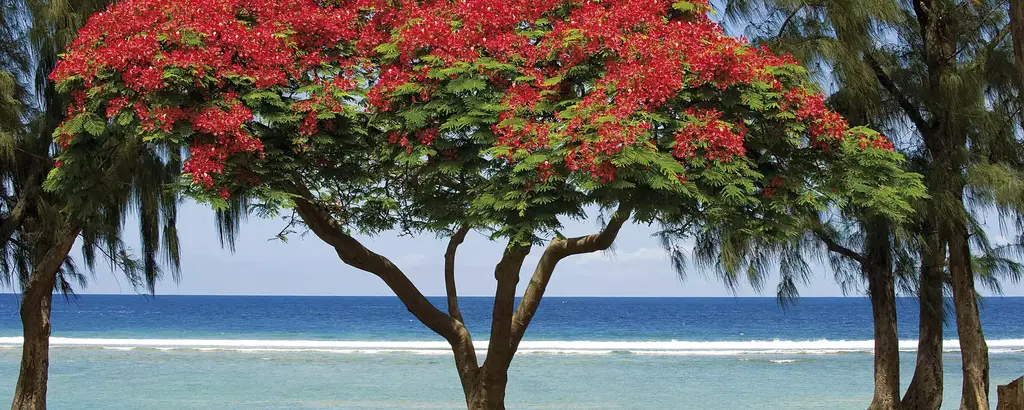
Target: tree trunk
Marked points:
973	348
1011	396
37	296
945	136
882	292
30	392
925	391
946	140
488	393
1017	30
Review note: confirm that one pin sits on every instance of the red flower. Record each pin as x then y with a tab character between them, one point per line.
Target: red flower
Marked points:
643	61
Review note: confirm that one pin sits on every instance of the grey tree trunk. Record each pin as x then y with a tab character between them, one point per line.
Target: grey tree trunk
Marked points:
1017	30
1011	396
36	299
30	392
488	393
925	391
882	292
973	348
946	140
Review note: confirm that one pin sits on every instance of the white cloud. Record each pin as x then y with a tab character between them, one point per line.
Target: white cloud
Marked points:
639	255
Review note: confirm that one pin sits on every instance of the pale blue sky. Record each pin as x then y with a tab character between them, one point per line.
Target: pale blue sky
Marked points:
306	266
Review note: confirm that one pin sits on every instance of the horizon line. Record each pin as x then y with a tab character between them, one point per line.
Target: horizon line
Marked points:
491	296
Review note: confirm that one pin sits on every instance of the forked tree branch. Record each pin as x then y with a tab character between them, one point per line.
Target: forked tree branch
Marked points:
449	272
354	254
506	272
559	249
465	354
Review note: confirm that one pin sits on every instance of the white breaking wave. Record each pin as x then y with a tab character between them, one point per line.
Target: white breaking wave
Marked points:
673	347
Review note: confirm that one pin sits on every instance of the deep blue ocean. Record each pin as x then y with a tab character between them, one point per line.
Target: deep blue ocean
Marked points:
171	352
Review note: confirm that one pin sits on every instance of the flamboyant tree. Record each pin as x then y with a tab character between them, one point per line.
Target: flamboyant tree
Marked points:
449	116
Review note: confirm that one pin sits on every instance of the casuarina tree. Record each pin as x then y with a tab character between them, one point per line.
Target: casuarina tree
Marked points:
948	69
444	117
39	227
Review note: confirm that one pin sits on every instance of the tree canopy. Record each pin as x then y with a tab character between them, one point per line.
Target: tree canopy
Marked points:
502	115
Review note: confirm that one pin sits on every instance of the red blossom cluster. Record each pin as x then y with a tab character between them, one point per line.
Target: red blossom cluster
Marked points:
208	48
228	127
718	138
642	56
773	186
650	53
825	126
876	141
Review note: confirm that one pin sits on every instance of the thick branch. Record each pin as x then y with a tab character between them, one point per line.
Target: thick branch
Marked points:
1017	36
449	272
354	254
908	107
506	272
465	353
1017	30
557	250
29	193
819	231
44	272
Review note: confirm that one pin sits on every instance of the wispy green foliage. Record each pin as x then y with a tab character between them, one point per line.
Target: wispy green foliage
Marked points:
870	53
123	181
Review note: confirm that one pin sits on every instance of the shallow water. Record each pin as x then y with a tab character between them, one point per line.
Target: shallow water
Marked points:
127	352
98	378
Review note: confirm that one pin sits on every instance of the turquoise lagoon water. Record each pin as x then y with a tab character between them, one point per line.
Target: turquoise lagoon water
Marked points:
191	352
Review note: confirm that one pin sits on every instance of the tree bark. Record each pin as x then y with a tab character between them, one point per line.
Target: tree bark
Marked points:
449	272
37	296
484	386
946	141
26	200
973	348
925	391
557	250
489	392
1011	396
1017	31
354	254
877	267
465	353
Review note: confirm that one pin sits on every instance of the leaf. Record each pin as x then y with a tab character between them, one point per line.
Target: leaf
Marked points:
466	84
387	50
95	127
684	6
124	118
552	81
415	118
